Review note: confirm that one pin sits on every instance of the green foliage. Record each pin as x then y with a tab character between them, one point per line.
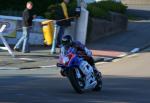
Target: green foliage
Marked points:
51	10
8	7
101	9
41	7
44	7
97	12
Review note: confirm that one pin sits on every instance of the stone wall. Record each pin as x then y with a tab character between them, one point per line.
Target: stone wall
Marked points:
100	28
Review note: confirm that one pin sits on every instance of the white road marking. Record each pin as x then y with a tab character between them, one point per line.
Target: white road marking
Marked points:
50	66
99	63
9	68
122	55
25	59
135	50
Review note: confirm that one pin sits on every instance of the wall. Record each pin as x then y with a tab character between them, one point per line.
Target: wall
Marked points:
100	28
13	30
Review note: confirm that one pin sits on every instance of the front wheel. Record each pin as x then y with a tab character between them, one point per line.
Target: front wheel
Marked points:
77	83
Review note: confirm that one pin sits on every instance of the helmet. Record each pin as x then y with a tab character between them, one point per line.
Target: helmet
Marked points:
66	40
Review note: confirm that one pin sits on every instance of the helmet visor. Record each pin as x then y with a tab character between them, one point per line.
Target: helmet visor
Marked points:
65	42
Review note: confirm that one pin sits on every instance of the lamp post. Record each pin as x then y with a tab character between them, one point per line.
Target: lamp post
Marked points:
53	49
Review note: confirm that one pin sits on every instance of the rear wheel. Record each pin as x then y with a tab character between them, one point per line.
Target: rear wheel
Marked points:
77	83
98	77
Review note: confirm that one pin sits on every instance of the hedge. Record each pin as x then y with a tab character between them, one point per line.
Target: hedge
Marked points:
101	9
51	14
41	7
10	7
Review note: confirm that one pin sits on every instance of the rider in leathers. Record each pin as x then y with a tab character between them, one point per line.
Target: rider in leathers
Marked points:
82	52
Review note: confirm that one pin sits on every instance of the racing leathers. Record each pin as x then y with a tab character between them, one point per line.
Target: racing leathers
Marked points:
82	51
87	64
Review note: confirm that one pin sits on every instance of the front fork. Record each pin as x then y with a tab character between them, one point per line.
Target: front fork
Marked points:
63	72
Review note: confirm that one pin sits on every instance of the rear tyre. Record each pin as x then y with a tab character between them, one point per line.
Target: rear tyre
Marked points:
98	77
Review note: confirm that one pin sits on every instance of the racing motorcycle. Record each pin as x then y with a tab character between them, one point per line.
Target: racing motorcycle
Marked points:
71	64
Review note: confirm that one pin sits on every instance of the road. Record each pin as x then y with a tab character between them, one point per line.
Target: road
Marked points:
139	10
124	81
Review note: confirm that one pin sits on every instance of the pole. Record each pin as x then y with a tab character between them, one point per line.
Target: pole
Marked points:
53	49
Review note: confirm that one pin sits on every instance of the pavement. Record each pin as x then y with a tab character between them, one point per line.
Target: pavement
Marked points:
119	45
135	65
135	37
39	56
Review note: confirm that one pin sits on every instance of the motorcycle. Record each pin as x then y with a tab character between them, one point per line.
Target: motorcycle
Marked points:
71	64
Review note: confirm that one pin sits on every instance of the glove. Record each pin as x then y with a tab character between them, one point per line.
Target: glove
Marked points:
62	51
88	52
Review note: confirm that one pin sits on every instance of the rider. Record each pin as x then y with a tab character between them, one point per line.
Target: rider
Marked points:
84	53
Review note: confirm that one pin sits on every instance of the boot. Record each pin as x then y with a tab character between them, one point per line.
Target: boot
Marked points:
90	81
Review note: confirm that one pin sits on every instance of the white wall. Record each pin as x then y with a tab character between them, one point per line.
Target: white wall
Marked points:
14	30
81	26
78	29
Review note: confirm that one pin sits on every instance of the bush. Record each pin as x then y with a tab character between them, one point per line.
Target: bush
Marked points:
41	8
8	7
97	12
101	9
51	10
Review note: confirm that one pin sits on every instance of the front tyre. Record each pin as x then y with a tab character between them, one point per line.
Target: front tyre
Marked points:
77	83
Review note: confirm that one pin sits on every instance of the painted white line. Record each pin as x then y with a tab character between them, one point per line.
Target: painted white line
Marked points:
133	55
135	50
26	59
107	59
9	68
15	68
116	60
122	55
37	67
100	63
50	66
